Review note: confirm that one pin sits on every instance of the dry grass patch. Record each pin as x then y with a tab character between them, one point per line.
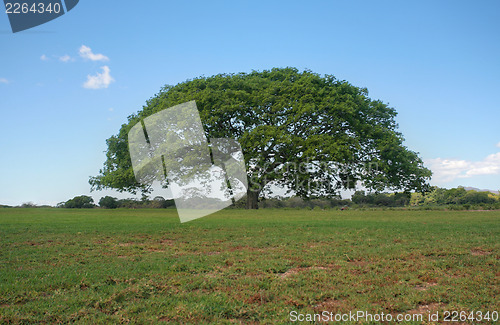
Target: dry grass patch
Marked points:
425	286
297	270
479	252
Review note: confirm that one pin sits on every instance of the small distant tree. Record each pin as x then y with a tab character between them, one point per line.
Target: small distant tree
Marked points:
359	197
455	196
295	202
272	203
129	203
80	202
382	199
28	205
401	199
474	197
416	199
159	202
108	202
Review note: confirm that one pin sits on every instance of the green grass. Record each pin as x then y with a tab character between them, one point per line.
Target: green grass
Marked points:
238	266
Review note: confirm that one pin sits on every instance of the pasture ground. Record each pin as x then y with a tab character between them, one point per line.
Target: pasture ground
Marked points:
238	266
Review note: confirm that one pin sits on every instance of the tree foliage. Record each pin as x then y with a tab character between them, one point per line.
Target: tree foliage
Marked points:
108	202
453	196
309	133
80	202
381	199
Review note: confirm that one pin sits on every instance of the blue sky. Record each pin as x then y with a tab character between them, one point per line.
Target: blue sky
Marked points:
69	84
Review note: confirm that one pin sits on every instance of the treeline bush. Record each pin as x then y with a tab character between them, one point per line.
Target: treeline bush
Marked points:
360	198
158	202
436	198
454	196
109	202
78	202
295	202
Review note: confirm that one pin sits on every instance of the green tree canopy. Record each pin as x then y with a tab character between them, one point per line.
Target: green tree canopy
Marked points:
80	202
108	202
309	133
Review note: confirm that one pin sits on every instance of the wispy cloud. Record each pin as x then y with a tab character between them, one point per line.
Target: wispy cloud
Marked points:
86	53
4	81
447	170
100	80
65	58
498	145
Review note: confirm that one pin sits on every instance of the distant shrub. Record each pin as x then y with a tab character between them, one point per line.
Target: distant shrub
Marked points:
160	203
28	205
108	202
80	202
381	199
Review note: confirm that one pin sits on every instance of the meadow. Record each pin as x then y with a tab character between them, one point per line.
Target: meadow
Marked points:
143	266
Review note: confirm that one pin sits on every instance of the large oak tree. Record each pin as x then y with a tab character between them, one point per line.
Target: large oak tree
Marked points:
302	131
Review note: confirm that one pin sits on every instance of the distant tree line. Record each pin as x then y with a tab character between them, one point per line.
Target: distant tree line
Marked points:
381	199
436	198
296	202
456	197
109	202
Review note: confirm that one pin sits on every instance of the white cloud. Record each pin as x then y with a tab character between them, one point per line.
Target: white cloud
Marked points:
65	58
44	57
100	80
4	81
86	53
447	170
498	145
488	166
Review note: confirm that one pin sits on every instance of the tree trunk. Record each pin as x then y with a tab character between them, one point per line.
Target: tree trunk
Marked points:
252	199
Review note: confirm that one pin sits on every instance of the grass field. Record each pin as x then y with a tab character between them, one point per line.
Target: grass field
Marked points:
239	266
